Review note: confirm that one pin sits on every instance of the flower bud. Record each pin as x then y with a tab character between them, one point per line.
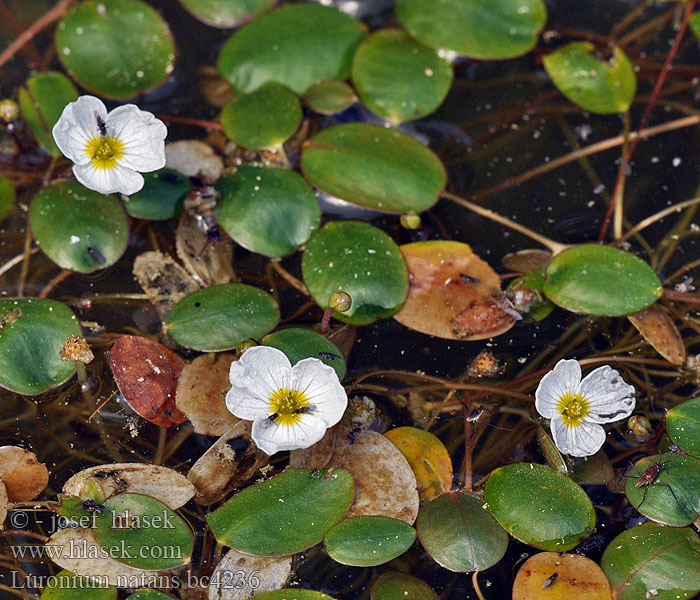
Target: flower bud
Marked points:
9	110
340	301
410	220
640	426
243	346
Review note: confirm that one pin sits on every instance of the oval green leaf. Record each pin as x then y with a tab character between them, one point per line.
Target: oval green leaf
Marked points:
683	425
298	343
227	13
7	197
268	210
368	541
361	260
489	29
297	45
293	594
161	197
395	585
149	595
399	79
222	316
539	506
142	532
262	119
599	87
32	333
460	534
669	493
69	586
285	514
77	228
118	48
330	97
600	280
374	167
42	100
653	557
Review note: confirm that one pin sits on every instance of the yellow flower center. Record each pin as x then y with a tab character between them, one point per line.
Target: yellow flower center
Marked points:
104	151
288	406
573	408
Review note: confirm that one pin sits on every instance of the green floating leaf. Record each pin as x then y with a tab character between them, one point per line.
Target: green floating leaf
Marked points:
653	557
374	167
293	594
694	24
297	45
69	586
222	316
7	197
42	100
460	534
271	211
361	260
227	13
600	280
398	78
394	585
595	470
32	333
490	29
539	506
596	86
161	197
149	595
368	541
284	514
683	425
262	119
329	97
669	493
142	532
77	228
298	343
118	49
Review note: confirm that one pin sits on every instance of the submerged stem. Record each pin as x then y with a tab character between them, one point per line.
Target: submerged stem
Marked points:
554	247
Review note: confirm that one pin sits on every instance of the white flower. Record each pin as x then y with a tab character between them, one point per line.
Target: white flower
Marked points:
291	407
576	408
109	149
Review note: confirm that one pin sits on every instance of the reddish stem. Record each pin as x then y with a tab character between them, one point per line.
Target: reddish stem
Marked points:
645	117
190	121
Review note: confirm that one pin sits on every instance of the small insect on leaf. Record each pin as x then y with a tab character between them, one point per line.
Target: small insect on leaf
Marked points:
96	254
550	580
328	355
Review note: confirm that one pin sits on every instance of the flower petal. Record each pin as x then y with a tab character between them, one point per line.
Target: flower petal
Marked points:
262	370
76	125
564	378
247	404
143	137
108	181
584	440
609	397
321	386
272	437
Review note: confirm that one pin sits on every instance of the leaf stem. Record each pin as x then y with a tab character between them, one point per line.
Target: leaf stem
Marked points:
554	247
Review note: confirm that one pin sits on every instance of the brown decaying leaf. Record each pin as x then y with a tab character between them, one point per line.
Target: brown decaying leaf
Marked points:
384	481
554	576
453	294
527	261
316	456
146	373
63	545
344	338
201	392
161	483
207	258
658	328
230	461
215	89
23	475
271	573
3	504
163	280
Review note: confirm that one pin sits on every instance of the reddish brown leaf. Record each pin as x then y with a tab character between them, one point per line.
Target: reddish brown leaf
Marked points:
23	475
146	373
